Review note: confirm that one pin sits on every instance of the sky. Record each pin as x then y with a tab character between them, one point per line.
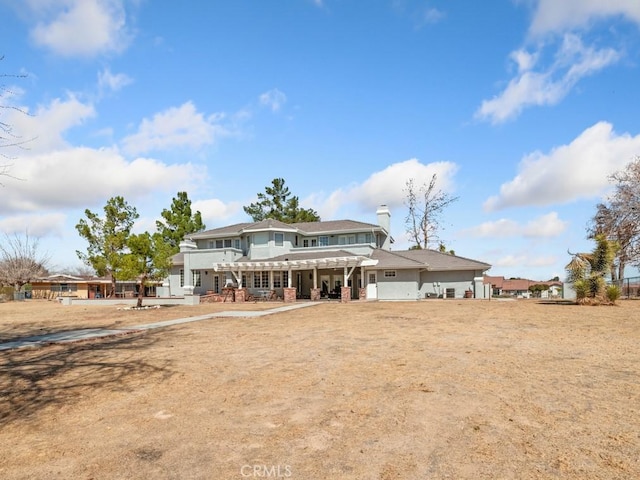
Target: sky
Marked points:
523	109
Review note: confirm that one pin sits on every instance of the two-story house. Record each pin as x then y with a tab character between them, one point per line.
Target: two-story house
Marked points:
343	259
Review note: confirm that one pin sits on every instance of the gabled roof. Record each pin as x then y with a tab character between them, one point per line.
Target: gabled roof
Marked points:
428	259
221	231
269	224
334	226
307	228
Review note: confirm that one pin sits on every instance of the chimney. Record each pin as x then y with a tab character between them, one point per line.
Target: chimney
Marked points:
384	220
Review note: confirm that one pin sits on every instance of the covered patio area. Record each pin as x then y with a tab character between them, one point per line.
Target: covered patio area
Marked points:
297	277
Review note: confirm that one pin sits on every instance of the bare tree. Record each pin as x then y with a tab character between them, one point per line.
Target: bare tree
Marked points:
619	218
426	205
9	140
20	261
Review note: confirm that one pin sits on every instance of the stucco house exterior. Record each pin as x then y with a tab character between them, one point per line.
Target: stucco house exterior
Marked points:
60	285
343	259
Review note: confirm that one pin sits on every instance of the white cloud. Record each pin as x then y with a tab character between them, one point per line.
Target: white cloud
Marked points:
554	15
214	211
525	261
81	177
273	99
545	226
432	15
550	84
80	27
46	125
386	186
181	126
111	81
569	172
36	225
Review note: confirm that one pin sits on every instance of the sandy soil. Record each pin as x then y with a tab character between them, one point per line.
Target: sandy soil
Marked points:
424	390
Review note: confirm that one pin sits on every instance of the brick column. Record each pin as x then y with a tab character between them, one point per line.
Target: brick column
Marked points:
240	295
362	294
315	294
345	294
289	295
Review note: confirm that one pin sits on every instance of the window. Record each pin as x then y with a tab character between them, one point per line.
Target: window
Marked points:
347	239
389	274
305	242
372	278
219	244
261	238
261	280
236	243
197	280
314	242
181	277
227	243
216	283
212	244
285	279
279	239
64	287
365	238
244	280
277	280
323	241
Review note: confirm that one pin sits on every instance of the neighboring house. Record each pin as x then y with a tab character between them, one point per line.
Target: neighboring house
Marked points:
343	259
64	285
519	287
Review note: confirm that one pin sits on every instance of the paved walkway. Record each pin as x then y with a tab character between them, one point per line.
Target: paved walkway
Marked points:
95	333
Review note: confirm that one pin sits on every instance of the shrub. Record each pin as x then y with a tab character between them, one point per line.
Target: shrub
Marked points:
582	290
613	293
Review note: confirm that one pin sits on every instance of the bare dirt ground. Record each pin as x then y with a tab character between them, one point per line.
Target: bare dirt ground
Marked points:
424	390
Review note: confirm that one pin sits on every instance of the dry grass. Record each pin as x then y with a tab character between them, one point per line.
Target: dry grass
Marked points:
434	389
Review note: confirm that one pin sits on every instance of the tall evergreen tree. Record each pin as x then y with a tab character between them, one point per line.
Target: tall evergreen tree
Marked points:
277	203
107	237
149	258
179	221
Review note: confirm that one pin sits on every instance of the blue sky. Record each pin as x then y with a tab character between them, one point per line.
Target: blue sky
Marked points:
523	108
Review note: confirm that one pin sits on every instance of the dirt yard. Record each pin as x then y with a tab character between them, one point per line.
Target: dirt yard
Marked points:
439	389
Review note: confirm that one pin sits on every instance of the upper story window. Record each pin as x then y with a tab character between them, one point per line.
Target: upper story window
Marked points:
365	238
347	239
225	243
310	242
389	273
323	241
279	239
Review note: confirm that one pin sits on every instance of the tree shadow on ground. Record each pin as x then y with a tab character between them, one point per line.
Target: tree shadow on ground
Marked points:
32	379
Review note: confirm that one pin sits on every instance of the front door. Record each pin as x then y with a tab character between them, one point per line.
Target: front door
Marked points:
372	286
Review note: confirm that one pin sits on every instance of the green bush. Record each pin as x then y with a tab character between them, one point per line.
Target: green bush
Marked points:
613	293
582	289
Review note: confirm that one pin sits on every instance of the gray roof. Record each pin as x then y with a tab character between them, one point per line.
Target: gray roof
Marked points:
309	228
334	226
429	259
221	231
177	259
